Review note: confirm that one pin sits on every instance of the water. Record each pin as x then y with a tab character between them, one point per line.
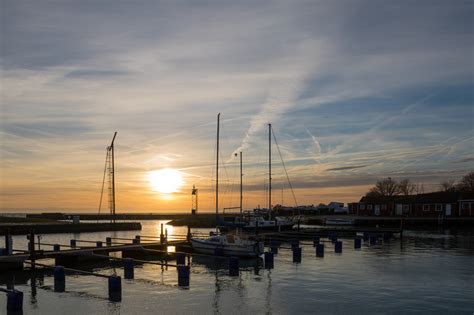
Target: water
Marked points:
431	273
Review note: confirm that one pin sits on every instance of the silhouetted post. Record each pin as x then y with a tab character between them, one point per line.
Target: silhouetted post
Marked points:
8	242
162	235
115	288
128	268
59	279
31	248
15	301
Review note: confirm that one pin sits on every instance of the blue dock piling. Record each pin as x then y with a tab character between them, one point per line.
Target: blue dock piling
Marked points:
56	247
115	288
183	276
15	301
98	244
180	259
320	250
357	243
3	251
9	244
316	240
108	241
233	266
296	254
269	260
128	268
59	279
338	247
72	243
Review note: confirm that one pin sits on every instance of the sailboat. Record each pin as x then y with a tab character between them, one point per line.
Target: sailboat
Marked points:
230	244
255	220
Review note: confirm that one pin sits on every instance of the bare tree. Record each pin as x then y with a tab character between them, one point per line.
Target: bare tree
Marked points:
448	185
406	187
384	188
467	183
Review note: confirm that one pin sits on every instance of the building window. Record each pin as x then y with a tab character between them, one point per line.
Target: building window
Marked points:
465	205
369	207
426	207
406	207
384	207
362	207
439	207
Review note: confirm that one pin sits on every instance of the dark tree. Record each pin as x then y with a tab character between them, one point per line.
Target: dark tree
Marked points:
448	185
406	187
467	183
384	188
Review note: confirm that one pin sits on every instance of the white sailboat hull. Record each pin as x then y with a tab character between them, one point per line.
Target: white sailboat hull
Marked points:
206	247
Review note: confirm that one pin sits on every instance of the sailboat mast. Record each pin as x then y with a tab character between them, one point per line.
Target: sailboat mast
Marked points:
270	168
217	168
241	175
112	210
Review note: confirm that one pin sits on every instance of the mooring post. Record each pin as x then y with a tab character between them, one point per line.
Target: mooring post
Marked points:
72	243
108	241
128	268
338	247
166	236
269	260
189	235
15	301
115	288
31	248
180	259
299	221
296	254
320	250
162	236
256	227
8	242
136	241
56	247
59	279
98	244
233	266
357	242
386	237
183	276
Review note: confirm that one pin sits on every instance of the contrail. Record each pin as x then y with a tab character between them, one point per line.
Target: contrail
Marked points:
316	142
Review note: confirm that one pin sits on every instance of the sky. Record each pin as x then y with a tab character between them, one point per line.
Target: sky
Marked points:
356	91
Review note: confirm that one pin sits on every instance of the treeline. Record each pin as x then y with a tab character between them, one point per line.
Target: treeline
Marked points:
389	187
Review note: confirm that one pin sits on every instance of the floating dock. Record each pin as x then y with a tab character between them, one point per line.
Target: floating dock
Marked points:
64	227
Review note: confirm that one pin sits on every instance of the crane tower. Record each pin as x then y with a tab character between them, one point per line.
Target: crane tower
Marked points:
194	194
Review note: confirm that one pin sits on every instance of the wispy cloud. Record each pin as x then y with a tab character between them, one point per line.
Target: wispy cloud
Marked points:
396	98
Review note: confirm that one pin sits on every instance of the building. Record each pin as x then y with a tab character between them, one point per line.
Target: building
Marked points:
449	204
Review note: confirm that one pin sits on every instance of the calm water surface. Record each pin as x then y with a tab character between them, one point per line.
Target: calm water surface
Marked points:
431	272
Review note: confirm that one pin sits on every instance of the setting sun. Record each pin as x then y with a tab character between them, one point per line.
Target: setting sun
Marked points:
165	181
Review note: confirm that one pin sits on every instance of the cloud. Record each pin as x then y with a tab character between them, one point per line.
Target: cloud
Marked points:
342	168
394	98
